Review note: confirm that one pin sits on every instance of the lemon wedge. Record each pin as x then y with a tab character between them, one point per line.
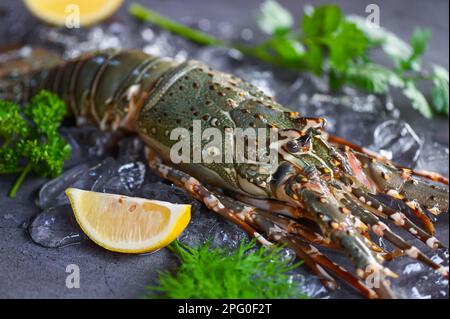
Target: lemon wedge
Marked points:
128	224
59	12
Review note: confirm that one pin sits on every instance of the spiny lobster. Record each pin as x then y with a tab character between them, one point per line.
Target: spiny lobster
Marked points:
338	186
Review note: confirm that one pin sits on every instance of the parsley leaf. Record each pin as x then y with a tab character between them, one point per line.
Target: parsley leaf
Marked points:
12	125
30	141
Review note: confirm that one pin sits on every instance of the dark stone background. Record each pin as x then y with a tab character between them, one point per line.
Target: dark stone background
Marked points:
30	271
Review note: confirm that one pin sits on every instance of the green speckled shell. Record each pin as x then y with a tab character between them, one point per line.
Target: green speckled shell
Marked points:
136	91
192	91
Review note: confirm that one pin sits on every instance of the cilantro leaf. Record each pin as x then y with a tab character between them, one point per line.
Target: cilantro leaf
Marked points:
335	46
373	77
314	58
348	43
418	100
440	90
288	49
321	21
274	19
395	48
419	43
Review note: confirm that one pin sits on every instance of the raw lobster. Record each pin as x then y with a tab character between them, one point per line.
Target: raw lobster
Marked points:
323	191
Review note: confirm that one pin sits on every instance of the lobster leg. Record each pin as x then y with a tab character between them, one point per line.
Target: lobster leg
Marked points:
279	234
399	219
308	253
300	230
273	206
309	191
435	177
214	203
199	192
338	270
401	185
278	230
382	230
350	239
290	226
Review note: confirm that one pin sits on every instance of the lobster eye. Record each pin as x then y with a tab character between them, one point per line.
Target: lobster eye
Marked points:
296	145
304	139
293	146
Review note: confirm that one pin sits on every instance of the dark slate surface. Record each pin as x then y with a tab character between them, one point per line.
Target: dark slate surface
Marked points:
30	271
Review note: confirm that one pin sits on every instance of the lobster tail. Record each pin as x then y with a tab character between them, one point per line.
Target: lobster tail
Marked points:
107	87
23	70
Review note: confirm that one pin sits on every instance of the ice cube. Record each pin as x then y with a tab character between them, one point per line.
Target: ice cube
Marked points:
221	59
225	234
261	78
397	141
52	193
88	141
415	294
98	176
55	227
434	157
132	175
411	268
112	185
308	284
163	44
72	42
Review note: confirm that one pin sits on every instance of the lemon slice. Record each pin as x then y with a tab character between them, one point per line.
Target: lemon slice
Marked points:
128	224
59	12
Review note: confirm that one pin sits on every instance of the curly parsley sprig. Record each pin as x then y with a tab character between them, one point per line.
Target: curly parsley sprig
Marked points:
29	141
337	47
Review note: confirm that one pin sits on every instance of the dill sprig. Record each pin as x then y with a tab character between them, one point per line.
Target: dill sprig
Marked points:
208	272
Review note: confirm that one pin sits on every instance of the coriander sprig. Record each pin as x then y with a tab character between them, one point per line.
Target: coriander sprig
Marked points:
207	272
29	140
337	47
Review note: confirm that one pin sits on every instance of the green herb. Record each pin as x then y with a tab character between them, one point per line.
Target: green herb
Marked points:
439	92
337	47
29	140
207	272
275	19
